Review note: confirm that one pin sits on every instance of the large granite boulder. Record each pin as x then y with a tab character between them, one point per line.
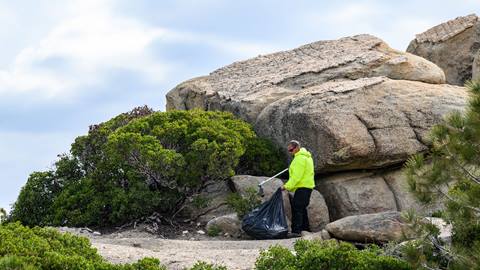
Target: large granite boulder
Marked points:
357	193
246	87
404	199
379	227
354	102
452	46
363	123
350	194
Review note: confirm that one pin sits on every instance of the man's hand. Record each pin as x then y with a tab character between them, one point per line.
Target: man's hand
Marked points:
283	187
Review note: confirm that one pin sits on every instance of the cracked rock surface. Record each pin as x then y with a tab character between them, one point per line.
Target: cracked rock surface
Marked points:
360	124
452	45
355	102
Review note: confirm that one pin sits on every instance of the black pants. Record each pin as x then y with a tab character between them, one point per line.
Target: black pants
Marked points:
300	201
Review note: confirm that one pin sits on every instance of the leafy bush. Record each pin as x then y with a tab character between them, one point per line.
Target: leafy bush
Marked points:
242	205
318	255
261	158
138	163
214	231
44	248
3	215
207	266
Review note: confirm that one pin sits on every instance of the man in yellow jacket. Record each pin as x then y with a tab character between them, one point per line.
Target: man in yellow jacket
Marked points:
301	181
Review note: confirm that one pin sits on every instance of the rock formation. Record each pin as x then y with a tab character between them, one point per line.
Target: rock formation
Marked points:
378	227
355	103
453	46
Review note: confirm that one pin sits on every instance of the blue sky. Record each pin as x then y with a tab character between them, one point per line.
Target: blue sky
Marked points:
67	64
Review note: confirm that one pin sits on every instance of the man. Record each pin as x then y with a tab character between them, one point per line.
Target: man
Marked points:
301	181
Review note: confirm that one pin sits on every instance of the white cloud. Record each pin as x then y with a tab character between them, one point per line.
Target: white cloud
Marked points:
91	42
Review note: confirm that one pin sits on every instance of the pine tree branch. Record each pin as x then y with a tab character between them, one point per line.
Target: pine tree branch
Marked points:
477	210
471	176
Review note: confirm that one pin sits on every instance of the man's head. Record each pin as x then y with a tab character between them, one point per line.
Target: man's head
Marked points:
293	147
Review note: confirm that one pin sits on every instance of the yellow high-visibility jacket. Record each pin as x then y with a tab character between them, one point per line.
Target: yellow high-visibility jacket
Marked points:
301	171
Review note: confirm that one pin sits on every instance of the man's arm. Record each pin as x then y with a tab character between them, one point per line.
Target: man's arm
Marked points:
296	173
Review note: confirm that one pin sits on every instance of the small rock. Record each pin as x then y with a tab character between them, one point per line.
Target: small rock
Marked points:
325	235
97	233
198	224
184	232
137	245
200	232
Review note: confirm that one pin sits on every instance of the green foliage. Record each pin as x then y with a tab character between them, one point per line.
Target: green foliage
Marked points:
451	171
214	231
3	215
261	158
318	255
138	163
44	248
242	205
207	266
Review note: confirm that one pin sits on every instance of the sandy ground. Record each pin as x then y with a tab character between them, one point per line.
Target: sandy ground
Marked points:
130	246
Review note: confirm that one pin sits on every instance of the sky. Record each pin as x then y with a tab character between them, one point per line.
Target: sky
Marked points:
65	65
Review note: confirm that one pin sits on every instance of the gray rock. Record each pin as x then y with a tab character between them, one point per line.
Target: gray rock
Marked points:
476	67
246	87
209	204
452	45
379	227
405	200
228	224
319	95
350	194
360	124
318	214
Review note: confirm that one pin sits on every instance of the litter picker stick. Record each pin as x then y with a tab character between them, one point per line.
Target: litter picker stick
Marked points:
260	188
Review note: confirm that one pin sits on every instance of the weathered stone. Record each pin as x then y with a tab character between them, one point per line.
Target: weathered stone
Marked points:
452	46
476	67
379	227
318	94
350	194
318	214
209	204
246	87
360	124
226	224
325	235
405	200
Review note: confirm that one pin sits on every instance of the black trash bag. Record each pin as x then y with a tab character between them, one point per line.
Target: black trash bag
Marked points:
267	221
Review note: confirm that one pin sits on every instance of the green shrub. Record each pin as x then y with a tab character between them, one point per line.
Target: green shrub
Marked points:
44	248
242	205
206	266
214	231
318	255
138	163
3	215
261	158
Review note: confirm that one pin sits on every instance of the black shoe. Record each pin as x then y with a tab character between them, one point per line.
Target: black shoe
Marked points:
293	235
